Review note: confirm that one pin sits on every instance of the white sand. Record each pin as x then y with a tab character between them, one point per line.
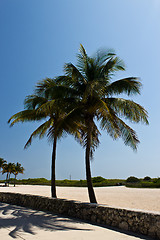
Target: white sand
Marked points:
130	198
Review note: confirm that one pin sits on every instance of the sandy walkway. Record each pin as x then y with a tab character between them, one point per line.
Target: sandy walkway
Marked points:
131	198
27	224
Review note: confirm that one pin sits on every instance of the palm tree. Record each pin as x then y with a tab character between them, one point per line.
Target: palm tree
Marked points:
50	107
8	169
17	169
76	101
5	170
95	94
2	162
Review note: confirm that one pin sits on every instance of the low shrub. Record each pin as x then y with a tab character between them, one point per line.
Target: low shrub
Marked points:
147	178
132	180
98	179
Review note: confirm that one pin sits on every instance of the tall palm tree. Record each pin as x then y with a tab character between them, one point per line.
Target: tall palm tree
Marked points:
95	93
8	169
50	107
2	162
5	170
17	169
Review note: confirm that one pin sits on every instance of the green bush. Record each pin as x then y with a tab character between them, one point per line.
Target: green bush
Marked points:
132	180
98	179
147	178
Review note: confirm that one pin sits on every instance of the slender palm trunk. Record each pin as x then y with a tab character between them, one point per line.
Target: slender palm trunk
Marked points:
53	177
91	193
15	180
6	179
9	178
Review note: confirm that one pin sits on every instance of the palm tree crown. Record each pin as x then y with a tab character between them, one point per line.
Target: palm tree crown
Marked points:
17	169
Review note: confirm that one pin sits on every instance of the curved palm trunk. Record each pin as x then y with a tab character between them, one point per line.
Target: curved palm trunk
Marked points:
53	176
91	193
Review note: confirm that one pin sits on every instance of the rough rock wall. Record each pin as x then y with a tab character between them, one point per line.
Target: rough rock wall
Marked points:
134	221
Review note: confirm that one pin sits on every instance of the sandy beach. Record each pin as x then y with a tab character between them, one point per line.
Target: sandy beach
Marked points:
122	197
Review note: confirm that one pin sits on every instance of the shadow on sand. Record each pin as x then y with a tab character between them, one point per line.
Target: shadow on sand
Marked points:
19	219
24	220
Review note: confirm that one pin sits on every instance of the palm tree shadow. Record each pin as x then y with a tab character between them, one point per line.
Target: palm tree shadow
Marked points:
25	220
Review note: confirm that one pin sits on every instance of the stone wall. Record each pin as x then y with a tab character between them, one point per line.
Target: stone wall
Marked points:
134	221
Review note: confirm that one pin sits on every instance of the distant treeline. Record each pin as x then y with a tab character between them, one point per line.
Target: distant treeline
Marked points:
146	182
99	181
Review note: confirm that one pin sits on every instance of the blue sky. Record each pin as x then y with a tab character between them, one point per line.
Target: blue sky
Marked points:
38	37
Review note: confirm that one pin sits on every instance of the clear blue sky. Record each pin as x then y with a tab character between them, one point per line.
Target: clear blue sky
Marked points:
38	37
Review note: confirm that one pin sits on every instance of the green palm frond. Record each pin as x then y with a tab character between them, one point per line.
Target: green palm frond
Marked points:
83	51
48	108
50	88
129	86
43	86
119	129
102	55
110	126
106	115
113	65
74	74
83	61
33	101
58	88
64	80
71	121
26	116
128	109
128	135
41	131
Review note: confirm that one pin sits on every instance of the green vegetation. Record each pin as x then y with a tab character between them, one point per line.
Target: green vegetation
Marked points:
69	183
29	181
146	182
98	181
75	102
132	179
146	178
10	168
